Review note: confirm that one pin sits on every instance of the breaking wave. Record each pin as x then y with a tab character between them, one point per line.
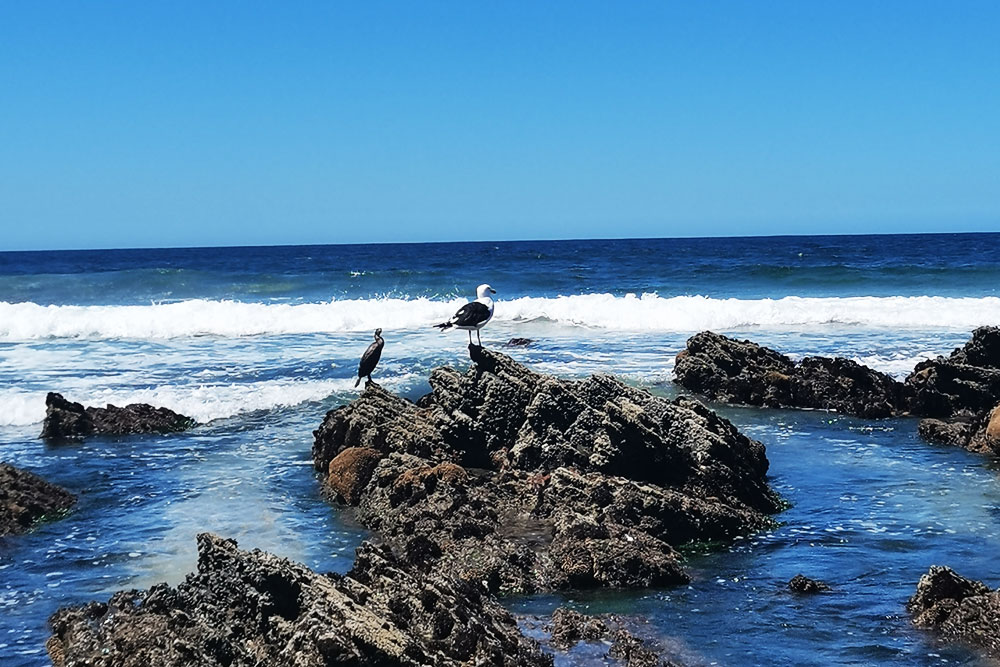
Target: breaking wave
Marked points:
203	403
648	312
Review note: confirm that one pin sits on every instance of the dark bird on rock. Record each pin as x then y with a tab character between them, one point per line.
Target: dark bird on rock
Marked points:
369	360
474	315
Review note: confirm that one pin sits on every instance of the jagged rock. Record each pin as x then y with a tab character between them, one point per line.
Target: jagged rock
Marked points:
568	627
732	371
803	584
519	342
945	432
65	419
26	498
967	382
252	608
633	652
960	394
743	372
957	609
524	482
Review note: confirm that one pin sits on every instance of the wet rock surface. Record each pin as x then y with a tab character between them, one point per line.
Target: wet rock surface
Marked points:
743	372
803	584
253	608
960	394
26	499
66	419
519	342
569	627
957	609
523	482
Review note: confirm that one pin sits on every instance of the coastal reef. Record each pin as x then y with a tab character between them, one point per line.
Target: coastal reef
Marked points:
958	396
568	627
523	482
743	372
26	498
243	608
957	609
66	419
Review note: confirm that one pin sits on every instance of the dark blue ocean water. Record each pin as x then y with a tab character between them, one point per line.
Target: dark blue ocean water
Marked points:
257	343
749	268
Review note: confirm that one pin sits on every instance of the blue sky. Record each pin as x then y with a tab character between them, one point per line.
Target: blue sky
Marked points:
126	124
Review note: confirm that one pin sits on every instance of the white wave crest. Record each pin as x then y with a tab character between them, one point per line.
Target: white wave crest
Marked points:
648	312
203	403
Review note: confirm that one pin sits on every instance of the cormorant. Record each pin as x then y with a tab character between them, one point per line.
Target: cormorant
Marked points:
369	360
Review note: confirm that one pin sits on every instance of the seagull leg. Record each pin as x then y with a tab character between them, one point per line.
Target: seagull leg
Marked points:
470	336
480	340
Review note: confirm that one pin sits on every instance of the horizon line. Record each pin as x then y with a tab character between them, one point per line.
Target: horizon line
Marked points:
529	240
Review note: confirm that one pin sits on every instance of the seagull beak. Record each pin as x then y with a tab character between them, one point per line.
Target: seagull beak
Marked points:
493	291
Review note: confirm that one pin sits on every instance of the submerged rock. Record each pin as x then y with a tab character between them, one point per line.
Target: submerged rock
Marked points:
743	372
519	342
803	584
65	419
26	498
524	482
957	609
244	608
568	627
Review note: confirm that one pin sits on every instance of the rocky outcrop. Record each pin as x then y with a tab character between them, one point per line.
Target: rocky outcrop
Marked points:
957	609
569	627
26	499
960	394
803	584
252	608
65	419
743	372
519	342
524	482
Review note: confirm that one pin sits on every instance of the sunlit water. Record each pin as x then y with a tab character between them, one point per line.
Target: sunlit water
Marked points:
872	506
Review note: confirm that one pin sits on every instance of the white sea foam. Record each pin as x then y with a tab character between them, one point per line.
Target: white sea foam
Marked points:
203	402
648	313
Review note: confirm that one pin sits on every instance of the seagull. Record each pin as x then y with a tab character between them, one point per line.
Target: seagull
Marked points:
474	315
369	360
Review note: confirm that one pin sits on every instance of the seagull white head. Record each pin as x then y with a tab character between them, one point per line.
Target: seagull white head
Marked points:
484	291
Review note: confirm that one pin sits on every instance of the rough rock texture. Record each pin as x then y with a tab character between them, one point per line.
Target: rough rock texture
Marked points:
965	382
65	419
351	470
803	584
568	627
524	482
960	394
744	372
26	498
253	608
958	609
519	342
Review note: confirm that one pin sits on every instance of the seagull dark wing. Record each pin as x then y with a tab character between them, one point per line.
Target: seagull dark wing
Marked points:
471	314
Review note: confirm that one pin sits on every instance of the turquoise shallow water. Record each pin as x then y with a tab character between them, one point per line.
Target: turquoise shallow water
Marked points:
258	343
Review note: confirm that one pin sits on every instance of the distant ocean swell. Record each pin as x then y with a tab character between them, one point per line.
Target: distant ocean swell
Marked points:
645	313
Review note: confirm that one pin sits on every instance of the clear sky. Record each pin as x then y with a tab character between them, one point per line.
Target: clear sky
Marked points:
128	124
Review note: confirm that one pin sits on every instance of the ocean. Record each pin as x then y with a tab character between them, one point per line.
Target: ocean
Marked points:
258	343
